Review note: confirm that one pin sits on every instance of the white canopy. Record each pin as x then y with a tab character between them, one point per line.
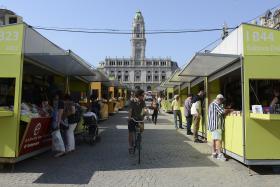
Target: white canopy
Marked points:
180	79
206	64
98	77
47	54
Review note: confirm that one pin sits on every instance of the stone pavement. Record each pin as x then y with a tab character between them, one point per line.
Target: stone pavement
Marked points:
169	158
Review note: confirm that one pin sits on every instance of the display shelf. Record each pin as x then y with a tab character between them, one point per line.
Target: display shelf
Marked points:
6	113
265	116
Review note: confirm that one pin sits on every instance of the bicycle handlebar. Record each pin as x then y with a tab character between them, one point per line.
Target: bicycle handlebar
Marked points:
137	121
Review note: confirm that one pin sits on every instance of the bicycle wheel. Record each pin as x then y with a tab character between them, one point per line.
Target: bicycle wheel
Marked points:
92	134
134	140
138	143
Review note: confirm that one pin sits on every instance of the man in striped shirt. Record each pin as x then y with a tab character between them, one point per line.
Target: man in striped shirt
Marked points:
216	115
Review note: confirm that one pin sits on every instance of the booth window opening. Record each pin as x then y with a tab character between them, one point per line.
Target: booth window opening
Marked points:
230	87
7	93
264	95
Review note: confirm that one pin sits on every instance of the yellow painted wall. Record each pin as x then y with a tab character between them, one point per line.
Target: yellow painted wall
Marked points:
120	91
262	137
213	90
169	90
195	90
112	89
96	86
261	61
233	136
11	63
183	97
78	86
60	82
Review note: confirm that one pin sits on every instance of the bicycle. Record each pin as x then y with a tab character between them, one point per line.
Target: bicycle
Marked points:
137	138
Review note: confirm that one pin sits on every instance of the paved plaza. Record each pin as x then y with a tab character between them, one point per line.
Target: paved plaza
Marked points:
169	158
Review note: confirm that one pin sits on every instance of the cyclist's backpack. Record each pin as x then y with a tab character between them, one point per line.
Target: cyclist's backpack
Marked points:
78	113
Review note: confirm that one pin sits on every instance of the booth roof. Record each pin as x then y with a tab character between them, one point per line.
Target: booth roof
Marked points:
206	64
116	83
167	84
45	53
180	79
159	88
98	77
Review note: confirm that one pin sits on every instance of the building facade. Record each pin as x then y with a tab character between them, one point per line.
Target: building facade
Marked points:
139	71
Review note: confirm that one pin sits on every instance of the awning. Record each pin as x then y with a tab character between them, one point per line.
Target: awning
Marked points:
98	77
167	84
116	83
205	64
180	79
47	54
159	88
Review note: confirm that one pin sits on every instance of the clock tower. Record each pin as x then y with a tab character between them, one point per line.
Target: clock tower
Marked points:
138	40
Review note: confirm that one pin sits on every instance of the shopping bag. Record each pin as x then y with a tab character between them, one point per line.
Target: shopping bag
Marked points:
57	141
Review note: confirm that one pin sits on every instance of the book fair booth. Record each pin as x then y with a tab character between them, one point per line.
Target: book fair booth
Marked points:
244	68
32	67
100	93
115	99
168	95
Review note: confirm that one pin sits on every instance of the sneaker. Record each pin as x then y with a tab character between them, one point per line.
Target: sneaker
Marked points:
131	150
189	133
214	155
198	141
59	154
221	157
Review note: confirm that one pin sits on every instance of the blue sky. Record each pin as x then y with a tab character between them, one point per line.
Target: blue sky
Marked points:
158	14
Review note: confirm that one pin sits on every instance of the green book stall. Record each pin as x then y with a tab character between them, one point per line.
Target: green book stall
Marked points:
33	67
244	68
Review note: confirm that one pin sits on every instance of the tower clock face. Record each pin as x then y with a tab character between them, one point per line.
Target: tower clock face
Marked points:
137	44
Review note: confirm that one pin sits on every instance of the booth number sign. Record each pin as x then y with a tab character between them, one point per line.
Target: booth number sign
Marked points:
259	36
6	36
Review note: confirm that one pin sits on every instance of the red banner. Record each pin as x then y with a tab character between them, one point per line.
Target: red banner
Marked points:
37	135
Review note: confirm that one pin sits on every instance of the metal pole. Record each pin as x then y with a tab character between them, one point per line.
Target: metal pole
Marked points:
206	105
243	106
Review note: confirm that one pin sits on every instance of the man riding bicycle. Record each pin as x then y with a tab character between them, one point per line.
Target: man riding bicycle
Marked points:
137	109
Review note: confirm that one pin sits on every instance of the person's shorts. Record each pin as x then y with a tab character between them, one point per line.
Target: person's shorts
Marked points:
217	134
131	126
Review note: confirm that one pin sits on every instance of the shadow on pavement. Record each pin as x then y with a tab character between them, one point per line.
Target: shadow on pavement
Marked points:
266	170
162	148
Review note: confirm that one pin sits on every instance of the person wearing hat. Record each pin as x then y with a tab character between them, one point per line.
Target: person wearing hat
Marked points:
216	114
176	111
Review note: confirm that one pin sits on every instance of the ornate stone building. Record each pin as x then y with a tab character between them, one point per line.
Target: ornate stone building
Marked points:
139	71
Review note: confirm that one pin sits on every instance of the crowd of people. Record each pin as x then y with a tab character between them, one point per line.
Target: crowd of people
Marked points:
65	114
193	114
64	118
63	111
